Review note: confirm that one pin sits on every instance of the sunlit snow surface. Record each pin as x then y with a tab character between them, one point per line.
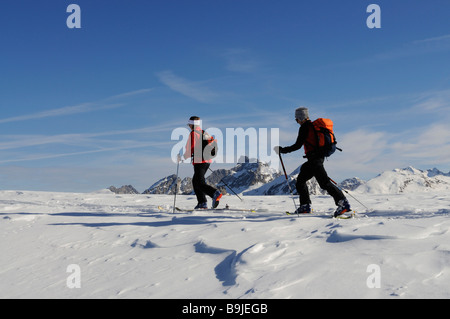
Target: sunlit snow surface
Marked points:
134	246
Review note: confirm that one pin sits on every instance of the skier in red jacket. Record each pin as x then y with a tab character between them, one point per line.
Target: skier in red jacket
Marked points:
194	150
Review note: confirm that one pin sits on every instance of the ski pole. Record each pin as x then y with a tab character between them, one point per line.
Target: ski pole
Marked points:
221	181
287	181
176	187
348	194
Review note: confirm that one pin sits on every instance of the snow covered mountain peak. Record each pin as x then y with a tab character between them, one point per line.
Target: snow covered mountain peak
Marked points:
407	180
258	178
244	176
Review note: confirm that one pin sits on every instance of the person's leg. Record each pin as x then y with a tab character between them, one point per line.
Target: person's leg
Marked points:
325	182
200	185
306	173
205	188
198	180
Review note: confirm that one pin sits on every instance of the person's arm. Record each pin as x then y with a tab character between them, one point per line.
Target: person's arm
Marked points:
189	150
301	138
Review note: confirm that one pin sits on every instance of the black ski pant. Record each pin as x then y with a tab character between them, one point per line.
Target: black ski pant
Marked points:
314	168
202	189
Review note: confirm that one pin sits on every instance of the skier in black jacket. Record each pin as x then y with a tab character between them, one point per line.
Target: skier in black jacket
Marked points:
312	168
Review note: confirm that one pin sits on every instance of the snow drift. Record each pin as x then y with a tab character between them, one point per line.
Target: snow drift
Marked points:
132	246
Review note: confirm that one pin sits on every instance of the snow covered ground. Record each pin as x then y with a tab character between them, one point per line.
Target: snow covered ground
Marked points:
124	246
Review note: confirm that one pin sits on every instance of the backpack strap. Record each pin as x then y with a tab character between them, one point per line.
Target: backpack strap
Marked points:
316	151
204	142
192	142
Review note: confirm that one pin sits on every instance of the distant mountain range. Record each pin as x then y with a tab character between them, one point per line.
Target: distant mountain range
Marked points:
257	178
243	177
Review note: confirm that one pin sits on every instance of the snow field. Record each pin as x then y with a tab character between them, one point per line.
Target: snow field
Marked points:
133	246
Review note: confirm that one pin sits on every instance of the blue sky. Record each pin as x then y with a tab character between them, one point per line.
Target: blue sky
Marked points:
83	109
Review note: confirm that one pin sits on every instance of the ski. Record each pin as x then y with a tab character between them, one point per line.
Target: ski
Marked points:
352	215
311	213
251	210
343	217
305	215
295	214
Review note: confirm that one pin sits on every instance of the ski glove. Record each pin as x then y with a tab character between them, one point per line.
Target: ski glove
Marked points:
278	150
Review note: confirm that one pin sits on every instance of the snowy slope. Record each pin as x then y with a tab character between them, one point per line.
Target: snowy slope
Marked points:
407	180
127	247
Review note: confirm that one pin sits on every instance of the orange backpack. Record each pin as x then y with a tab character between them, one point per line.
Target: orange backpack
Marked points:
323	140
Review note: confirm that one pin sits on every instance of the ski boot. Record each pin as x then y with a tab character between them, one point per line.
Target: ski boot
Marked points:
343	207
216	199
304	209
201	206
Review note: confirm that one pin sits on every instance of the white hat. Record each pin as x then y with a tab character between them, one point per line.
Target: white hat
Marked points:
195	122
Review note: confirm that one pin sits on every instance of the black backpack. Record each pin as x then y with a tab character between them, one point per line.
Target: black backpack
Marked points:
209	146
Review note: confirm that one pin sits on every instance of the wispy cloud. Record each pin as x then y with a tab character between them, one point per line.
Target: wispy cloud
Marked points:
404	50
367	152
37	157
76	109
428	145
418	47
129	94
240	60
364	154
434	39
80	139
433	101
64	111
192	89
